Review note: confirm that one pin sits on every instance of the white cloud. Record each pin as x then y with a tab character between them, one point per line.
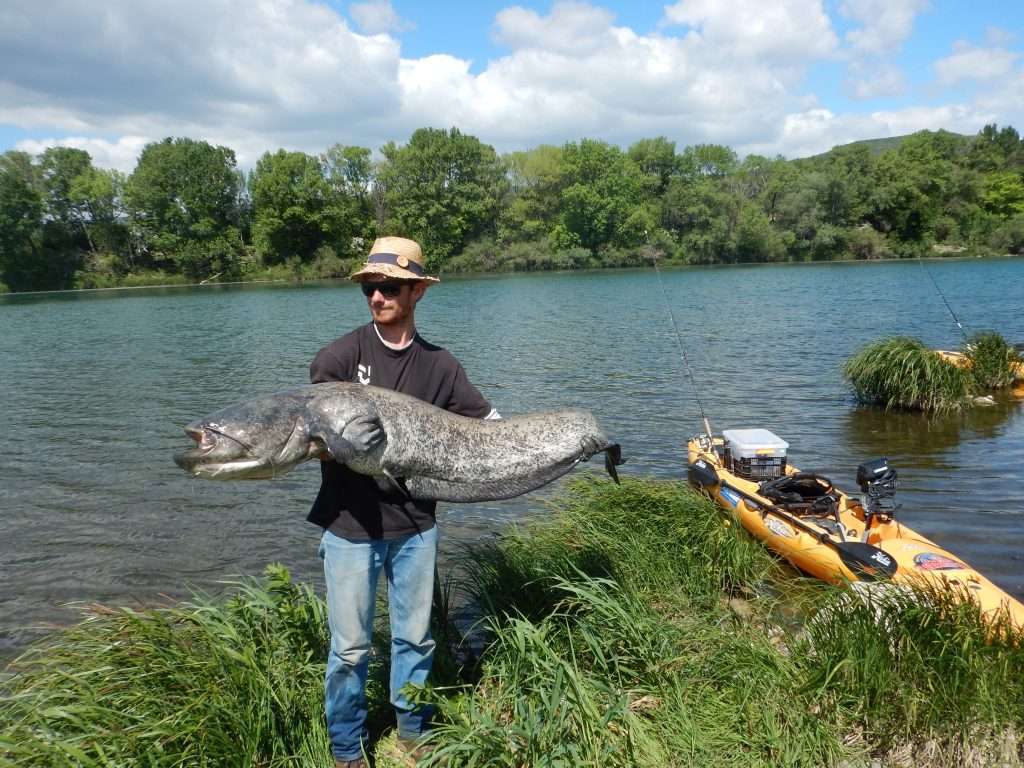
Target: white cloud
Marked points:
998	37
120	154
256	76
222	68
572	28
785	29
885	24
626	87
875	81
377	17
1004	100
817	130
970	63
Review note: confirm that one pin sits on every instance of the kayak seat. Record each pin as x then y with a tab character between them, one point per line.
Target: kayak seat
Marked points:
802	493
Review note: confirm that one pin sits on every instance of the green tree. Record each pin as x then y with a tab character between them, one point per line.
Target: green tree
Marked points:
183	199
755	239
530	209
21	212
59	167
292	206
706	161
443	188
846	185
97	197
600	194
996	148
702	216
913	185
656	159
1003	194
780	179
350	174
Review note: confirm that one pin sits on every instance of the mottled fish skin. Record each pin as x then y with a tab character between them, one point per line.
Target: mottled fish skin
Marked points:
428	452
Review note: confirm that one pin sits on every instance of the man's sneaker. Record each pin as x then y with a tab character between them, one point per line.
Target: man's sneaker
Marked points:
357	763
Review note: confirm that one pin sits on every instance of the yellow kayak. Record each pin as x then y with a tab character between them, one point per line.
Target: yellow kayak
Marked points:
825	532
961	360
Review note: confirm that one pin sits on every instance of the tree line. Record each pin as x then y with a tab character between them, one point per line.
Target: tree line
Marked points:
187	213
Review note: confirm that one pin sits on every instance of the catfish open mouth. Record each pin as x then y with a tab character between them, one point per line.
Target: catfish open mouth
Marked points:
215	452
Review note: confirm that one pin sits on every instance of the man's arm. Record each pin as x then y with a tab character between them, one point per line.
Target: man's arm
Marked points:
466	399
335	362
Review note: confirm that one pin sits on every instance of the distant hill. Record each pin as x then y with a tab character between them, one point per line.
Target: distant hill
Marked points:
878	146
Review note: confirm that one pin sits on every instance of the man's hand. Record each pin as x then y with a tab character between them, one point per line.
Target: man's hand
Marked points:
361	435
364	433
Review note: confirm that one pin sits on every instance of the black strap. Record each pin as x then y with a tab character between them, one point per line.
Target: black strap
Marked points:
392	258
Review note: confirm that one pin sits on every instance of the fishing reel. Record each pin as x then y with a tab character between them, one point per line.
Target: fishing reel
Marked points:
877	481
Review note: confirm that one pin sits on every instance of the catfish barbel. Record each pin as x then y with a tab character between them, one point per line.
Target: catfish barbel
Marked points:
427	452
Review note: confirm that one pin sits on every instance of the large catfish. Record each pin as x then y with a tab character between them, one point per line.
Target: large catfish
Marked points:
427	452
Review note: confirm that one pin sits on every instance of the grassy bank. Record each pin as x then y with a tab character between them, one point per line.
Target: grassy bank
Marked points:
629	628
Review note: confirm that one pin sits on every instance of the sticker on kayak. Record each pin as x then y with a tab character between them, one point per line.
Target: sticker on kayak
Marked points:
930	561
730	495
882	559
778	527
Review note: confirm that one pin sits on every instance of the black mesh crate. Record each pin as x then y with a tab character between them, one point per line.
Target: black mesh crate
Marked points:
757	468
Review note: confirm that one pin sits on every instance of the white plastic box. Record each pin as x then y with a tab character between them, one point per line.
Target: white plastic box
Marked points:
749	443
755	454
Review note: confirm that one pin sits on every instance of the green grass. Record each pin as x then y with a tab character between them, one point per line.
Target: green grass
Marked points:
901	372
235	683
608	635
611	645
992	361
919	670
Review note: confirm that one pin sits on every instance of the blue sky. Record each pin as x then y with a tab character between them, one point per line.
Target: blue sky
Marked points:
791	77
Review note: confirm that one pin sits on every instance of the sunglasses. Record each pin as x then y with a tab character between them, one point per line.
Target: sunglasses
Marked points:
388	290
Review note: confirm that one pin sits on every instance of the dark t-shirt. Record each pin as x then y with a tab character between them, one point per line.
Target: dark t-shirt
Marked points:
352	505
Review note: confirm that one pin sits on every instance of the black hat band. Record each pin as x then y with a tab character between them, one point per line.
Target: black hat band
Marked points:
399	261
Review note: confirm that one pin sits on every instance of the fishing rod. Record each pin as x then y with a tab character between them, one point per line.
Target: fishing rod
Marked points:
860	557
943	297
682	350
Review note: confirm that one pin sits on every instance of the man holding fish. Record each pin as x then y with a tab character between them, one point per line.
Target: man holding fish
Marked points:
369	524
397	426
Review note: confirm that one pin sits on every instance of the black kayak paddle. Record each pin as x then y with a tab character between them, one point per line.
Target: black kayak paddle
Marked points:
865	560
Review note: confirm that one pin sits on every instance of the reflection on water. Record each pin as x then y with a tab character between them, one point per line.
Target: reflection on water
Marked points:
877	431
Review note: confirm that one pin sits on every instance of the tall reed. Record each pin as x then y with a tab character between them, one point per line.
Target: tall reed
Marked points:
201	683
919	669
902	372
992	361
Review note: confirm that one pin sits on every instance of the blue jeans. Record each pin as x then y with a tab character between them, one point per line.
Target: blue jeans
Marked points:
351	569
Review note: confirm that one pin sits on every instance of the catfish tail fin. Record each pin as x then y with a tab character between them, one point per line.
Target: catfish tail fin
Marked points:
612	459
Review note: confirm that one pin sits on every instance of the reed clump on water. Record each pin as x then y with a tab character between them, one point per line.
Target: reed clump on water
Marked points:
993	362
901	372
607	635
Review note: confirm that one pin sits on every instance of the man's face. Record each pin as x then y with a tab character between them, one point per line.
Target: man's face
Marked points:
392	301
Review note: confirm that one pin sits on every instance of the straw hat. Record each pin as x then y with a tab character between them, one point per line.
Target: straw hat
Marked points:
395	257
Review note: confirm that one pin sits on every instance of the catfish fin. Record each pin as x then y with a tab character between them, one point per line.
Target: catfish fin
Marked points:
393	484
612	458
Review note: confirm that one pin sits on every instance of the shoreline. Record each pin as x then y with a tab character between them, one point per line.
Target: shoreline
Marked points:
449	275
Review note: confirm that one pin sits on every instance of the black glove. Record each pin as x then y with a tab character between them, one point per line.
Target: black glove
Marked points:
363	433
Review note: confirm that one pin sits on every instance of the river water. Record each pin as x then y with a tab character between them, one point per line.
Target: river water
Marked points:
95	387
